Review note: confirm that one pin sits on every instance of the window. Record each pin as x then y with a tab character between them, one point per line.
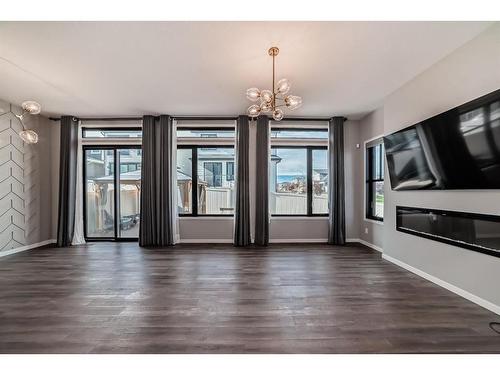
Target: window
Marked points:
205	133
299	133
288	181
205	167
374	165
298	171
230	171
112	132
111	194
320	181
298	180
204	184
185	180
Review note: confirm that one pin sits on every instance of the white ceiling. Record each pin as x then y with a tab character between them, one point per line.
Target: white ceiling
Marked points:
204	68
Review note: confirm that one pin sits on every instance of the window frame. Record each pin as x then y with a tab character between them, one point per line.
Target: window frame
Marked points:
309	183
116	197
370	195
194	175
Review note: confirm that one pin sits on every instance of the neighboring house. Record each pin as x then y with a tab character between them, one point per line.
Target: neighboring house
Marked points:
216	179
273	173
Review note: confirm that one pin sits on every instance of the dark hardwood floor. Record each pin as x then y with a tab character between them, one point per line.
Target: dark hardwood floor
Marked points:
119	298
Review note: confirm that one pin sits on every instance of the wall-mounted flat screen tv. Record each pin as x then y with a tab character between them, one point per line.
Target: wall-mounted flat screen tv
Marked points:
457	149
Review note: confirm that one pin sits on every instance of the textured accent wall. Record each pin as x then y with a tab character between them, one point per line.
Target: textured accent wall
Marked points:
25	185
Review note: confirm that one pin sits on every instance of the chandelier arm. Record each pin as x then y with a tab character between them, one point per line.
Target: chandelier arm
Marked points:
21	117
274	92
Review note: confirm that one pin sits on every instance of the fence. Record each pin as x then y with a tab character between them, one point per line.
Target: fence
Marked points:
296	204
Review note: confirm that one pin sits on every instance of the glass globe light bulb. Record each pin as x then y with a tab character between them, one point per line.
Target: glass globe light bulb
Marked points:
293	101
283	86
278	114
29	136
32	107
253	110
265	107
253	94
266	96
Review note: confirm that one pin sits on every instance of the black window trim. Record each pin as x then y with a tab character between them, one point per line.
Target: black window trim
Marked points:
116	181
369	180
309	150
194	176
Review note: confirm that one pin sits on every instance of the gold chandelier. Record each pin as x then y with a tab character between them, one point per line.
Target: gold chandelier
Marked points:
273	101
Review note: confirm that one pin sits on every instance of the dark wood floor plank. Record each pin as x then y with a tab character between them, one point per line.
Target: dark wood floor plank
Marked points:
119	298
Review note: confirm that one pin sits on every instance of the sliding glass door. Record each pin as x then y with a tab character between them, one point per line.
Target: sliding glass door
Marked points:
130	188
112	183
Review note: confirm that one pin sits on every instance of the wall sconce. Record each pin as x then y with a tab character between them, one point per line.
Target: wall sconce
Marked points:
33	108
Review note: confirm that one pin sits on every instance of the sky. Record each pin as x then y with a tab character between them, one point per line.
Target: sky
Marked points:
294	162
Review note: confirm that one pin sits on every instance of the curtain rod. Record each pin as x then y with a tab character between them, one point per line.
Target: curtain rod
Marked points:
191	118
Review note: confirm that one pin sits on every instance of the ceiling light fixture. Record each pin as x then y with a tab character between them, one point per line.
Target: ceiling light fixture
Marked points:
33	108
272	101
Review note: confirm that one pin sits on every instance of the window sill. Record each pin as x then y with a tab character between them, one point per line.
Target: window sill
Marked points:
379	222
213	217
277	218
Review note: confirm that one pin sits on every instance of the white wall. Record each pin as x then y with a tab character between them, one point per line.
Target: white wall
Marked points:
206	229
370	126
469	72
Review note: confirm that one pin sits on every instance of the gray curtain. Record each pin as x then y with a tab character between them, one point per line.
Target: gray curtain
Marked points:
262	183
336	219
242	206
67	180
157	219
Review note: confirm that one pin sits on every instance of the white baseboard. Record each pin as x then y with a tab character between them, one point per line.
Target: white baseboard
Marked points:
211	240
27	247
298	240
273	240
452	288
366	243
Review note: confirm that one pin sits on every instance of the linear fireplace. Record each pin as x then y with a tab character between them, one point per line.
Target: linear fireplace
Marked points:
472	231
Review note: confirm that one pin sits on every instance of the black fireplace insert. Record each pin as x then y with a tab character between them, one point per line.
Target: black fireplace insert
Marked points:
471	231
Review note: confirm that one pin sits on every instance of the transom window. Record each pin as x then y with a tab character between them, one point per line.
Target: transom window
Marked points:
111	132
299	133
205	133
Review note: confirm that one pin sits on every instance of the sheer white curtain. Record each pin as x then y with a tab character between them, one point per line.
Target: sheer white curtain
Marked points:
78	236
175	189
